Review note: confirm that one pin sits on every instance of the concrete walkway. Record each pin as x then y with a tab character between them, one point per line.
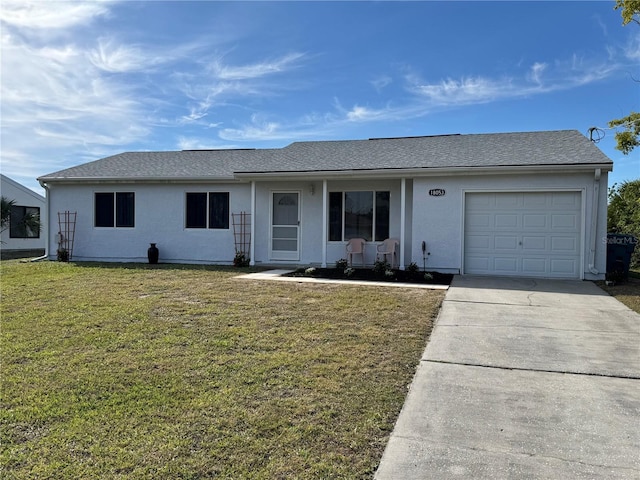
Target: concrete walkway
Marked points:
523	378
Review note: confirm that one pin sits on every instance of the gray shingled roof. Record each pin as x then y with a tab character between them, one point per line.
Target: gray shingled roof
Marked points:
553	148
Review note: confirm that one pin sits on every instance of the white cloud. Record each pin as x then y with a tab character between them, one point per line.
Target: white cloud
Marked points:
536	71
261	129
193	143
632	49
256	70
465	91
51	15
256	131
363	114
57	105
110	57
380	82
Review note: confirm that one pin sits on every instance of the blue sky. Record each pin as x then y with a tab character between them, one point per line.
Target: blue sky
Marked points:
84	80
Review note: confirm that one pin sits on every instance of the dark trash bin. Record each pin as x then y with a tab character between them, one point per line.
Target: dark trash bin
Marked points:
619	250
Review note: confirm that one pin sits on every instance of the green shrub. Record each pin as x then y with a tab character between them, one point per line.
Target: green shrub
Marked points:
413	268
380	267
240	260
342	264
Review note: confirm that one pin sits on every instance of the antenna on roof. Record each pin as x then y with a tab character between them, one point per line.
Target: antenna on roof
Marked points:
598	131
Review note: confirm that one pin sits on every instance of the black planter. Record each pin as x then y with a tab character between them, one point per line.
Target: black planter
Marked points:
153	253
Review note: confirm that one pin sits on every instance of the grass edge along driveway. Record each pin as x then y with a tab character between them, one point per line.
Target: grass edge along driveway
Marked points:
131	371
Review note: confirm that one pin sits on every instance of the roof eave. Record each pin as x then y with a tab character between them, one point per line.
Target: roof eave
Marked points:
129	180
428	171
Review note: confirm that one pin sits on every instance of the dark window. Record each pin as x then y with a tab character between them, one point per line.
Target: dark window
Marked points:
213	207
335	216
196	210
125	209
104	209
24	222
382	216
360	214
219	210
115	209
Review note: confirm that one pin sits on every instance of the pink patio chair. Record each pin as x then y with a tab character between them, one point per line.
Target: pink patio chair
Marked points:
355	246
388	247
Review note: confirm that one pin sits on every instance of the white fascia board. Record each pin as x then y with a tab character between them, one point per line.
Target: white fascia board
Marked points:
424	172
144	180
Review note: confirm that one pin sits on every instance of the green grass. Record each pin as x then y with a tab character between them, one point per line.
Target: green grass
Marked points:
131	371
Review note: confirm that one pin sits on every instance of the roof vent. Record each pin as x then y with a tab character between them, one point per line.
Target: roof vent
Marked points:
218	149
417	136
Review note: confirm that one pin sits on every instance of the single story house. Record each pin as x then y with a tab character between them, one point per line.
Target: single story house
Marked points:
16	238
521	204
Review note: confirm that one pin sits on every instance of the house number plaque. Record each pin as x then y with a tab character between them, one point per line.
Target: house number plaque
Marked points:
436	192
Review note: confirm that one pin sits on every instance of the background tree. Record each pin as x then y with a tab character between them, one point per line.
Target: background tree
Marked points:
6	205
29	222
623	213
629	137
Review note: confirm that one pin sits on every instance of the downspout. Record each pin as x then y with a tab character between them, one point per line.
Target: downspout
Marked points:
252	248
325	235
403	212
47	228
594	223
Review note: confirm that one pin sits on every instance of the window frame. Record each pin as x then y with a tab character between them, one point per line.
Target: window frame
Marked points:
120	212
209	219
16	228
376	233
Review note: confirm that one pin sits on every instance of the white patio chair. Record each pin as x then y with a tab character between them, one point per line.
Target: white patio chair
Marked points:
355	246
388	247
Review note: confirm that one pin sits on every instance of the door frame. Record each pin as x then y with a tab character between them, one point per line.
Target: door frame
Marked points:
281	255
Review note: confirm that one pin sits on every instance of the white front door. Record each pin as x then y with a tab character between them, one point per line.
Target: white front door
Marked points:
285	226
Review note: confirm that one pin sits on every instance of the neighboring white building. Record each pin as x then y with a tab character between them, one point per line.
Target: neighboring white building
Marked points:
25	201
521	204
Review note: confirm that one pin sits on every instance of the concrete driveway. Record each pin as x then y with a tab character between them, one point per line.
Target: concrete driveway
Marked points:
521	379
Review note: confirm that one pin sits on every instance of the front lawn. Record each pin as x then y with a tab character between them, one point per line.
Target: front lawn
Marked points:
138	371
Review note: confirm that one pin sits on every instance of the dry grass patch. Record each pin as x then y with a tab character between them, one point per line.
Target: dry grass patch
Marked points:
131	371
627	292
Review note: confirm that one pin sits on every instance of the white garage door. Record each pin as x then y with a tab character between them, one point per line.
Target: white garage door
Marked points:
533	234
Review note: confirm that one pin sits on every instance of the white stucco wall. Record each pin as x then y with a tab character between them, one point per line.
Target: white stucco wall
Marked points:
439	220
160	218
25	197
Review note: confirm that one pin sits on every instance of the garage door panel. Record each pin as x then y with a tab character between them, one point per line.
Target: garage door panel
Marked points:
506	265
563	266
564	221
507	200
505	242
564	244
480	220
534	221
527	234
534	243
479	263
482	242
565	199
506	221
536	265
535	201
